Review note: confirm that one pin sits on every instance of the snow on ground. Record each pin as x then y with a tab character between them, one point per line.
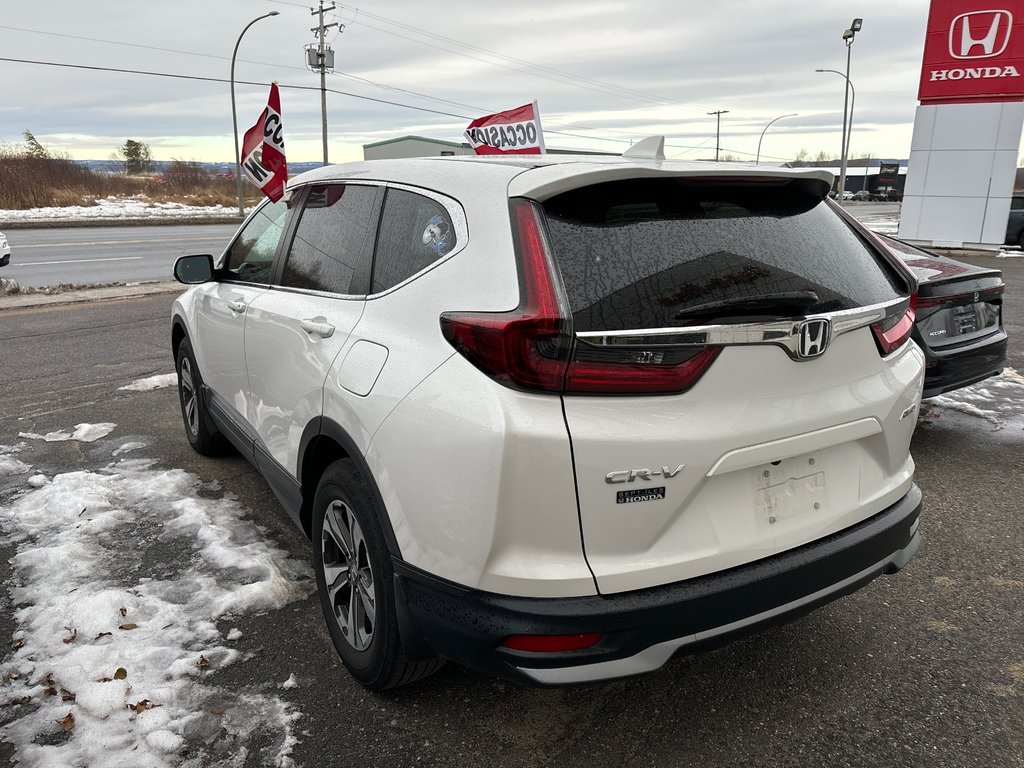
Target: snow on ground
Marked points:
1010	253
126	447
151	383
886	224
85	433
995	404
12	466
113	208
120	577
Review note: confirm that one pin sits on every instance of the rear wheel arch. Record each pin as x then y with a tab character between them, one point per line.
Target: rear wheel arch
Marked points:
323	442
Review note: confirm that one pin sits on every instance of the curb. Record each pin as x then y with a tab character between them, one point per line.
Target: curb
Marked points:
82	295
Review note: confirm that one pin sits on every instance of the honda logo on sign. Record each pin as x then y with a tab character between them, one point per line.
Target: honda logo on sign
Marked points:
814	338
980	34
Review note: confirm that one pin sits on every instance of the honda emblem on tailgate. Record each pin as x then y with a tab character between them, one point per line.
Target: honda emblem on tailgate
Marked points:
814	338
989	30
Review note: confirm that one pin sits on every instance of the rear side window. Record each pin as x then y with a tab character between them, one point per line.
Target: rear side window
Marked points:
415	231
652	253
331	247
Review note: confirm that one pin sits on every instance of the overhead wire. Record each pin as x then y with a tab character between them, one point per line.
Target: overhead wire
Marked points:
359	96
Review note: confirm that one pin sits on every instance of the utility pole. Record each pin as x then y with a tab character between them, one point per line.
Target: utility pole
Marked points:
320	57
718	128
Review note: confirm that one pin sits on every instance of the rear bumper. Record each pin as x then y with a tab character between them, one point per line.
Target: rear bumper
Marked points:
951	369
643	629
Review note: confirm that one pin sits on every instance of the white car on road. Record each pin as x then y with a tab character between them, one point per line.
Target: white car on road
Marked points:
561	418
5	250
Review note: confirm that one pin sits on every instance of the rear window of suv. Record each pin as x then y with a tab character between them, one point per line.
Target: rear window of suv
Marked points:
640	253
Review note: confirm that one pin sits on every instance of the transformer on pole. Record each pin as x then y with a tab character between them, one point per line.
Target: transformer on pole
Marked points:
320	58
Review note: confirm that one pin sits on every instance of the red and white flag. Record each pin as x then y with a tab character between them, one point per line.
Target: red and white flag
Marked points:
512	132
263	150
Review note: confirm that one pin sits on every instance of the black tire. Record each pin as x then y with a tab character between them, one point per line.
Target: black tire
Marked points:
1020	239
359	601
202	435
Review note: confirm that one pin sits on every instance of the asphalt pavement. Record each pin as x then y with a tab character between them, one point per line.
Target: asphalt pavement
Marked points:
107	254
924	668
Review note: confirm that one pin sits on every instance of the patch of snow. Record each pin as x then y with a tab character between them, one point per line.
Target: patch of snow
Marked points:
122	575
1006	253
12	466
997	401
113	208
153	382
291	682
85	433
126	447
886	224
37	481
234	634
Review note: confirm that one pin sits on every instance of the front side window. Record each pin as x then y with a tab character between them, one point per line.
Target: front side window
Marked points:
415	231
251	255
331	246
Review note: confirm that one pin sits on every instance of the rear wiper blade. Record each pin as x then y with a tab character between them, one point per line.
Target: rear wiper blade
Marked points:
785	304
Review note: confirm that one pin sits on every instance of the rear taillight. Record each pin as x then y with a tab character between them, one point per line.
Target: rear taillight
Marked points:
633	370
528	347
894	331
988	294
533	348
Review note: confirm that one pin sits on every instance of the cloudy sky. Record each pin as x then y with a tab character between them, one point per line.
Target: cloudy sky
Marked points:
603	71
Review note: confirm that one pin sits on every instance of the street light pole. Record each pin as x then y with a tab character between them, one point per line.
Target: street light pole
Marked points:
847	128
848	37
718	128
758	159
234	114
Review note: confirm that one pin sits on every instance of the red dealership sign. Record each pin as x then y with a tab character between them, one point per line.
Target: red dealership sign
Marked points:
973	52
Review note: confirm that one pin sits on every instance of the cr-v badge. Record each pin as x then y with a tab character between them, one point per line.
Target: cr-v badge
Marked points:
630	475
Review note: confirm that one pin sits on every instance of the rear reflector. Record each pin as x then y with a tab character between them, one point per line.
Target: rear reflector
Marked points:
552	643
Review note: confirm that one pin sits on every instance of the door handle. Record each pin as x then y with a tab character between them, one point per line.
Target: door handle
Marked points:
318	326
237	306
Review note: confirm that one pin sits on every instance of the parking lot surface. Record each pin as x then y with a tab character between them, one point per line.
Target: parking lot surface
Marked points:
925	668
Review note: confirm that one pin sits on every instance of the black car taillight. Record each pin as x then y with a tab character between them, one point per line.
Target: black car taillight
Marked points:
894	331
988	294
532	347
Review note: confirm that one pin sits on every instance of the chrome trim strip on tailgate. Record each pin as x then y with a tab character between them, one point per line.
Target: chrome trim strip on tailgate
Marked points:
781	333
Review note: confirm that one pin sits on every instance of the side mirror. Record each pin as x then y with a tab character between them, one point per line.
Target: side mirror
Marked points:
192	270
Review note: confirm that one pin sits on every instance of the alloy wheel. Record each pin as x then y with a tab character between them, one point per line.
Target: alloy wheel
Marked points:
188	396
348	575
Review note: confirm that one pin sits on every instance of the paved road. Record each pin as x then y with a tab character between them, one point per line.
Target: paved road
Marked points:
107	254
130	253
925	668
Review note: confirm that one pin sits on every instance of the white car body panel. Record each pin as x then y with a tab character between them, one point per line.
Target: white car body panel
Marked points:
500	514
220	347
288	365
810	416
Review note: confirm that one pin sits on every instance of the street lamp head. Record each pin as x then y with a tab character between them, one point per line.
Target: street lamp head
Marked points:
848	34
856	25
274	13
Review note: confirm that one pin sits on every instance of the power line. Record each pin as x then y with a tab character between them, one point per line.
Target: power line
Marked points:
349	76
362	97
521	64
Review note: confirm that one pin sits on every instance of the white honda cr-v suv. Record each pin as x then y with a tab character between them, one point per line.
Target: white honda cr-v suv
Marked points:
560	418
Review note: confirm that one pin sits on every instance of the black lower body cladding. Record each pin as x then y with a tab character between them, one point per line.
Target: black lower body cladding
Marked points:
640	630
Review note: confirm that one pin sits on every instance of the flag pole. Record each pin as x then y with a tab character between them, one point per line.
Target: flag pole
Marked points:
540	128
